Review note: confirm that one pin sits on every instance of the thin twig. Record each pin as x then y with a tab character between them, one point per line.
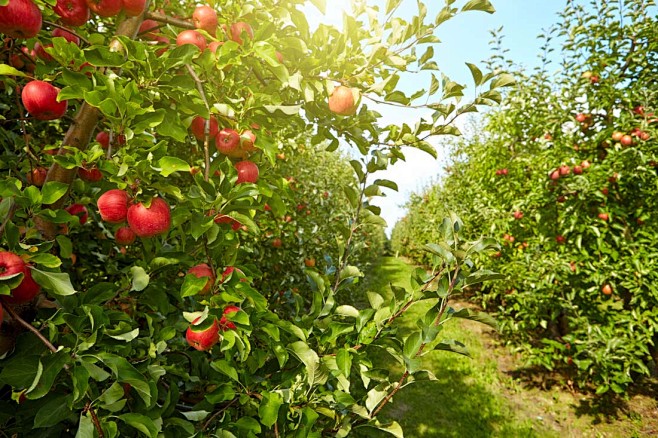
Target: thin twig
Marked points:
390	395
216	414
206	128
94	419
169	20
28	326
72	32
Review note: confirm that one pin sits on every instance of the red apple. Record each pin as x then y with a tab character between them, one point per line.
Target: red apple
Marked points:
224	322
310	262
578	170
617	135
561	198
585	164
105	8
198	127
626	140
247	172
214	45
203	270
191	37
72	12
203	336
605	191
227	142
133	8
560	239
124	236
237	29
564	170
92	174
247	141
40	52
555	175
80	211
581	118
38	176
342	101
113	206
518	215
150	221
68	36
40	100
148	29
606	289
104	139
20	19
277	243
603	216
205	17
11	264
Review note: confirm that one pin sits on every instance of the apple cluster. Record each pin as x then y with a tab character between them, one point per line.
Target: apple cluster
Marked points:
115	207
204	334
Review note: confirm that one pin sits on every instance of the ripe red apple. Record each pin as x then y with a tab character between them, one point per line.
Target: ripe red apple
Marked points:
247	172
80	211
603	216
224	322
68	36
585	164
237	29
581	118
104	139
11	264
72	12
342	101
92	174
617	135
644	135
325	195
225	219
227	141
518	215
565	170
124	236
560	239
561	198
247	141
38	176
555	175
606	289
40	52
148	29
105	8
113	206
214	45
310	262
40	100
203	270
198	127
191	37
626	140
605	191
20	19
133	8
205	17
277	243
578	170
150	221
203	336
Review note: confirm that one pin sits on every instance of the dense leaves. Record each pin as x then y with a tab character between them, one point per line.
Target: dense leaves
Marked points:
564	173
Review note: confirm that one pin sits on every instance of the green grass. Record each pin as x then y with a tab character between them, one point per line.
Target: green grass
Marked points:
478	397
463	402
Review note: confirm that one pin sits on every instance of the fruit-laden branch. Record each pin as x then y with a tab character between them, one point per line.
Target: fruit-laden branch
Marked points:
80	132
169	20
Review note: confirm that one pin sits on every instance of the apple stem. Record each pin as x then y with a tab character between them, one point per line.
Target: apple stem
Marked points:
169	20
30	327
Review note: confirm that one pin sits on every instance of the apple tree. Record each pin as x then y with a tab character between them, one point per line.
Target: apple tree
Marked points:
565	175
139	149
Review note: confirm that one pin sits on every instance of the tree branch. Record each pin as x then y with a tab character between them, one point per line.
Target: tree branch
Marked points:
169	20
10	310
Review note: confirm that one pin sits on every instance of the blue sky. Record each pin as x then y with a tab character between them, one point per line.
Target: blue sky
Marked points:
465	38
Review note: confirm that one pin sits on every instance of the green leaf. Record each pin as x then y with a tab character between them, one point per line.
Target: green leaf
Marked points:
503	80
126	373
192	285
268	411
140	278
58	283
479	5
454	346
350	272
475	72
289	110
85	427
387	183
52	191
412	344
47	260
344	361
321	5
482	275
482	317
6	70
308	357
142	423
225	368
53	412
49	367
169	165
